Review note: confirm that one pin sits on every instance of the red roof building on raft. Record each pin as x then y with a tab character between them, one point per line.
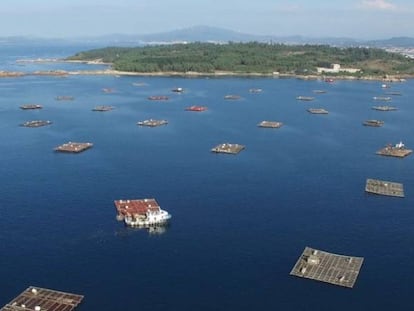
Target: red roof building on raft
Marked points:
196	108
136	207
38	299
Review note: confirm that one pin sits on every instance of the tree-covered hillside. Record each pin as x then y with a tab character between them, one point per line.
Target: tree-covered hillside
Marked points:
249	58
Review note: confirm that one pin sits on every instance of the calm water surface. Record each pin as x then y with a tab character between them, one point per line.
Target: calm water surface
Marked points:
239	222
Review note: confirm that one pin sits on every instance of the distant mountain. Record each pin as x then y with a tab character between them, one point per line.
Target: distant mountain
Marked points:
210	34
220	35
393	42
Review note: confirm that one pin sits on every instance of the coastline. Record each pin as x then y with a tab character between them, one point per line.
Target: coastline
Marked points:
189	74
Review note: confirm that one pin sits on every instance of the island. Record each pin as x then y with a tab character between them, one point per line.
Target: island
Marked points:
253	58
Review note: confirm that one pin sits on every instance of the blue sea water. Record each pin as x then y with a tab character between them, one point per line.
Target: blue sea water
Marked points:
239	222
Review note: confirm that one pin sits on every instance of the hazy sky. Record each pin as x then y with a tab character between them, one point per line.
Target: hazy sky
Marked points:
367	19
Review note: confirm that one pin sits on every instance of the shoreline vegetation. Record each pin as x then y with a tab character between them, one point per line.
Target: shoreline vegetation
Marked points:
193	74
308	62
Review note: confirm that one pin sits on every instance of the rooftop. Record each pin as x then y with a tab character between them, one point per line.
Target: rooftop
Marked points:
135	207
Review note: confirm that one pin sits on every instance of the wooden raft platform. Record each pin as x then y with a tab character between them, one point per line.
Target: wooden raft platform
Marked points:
392	151
72	147
374	123
31	106
270	124
383	187
228	148
36	123
328	267
158	97
305	98
384	108
382	98
64	97
103	108
152	122
232	97
318	111
38	299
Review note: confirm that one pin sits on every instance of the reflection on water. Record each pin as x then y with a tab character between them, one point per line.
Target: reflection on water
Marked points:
152	230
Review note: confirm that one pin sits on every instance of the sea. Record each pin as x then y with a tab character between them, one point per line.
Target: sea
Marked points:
239	222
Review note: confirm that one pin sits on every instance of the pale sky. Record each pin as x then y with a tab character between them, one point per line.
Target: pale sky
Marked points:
360	19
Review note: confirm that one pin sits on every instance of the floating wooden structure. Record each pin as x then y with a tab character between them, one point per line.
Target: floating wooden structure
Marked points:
196	108
305	98
152	122
398	150
317	111
374	123
140	84
255	91
228	148
141	213
319	91
232	97
270	124
383	187
36	123
103	108
72	147
394	93
39	299
64	97
384	108
328	267
158	97
382	98
31	106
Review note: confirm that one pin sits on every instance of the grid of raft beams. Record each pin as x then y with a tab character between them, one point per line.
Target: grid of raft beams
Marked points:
270	124
384	187
327	267
391	151
384	108
36	123
152	123
228	148
31	106
317	111
38	299
72	147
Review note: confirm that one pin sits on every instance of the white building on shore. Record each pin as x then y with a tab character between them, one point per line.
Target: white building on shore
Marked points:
336	68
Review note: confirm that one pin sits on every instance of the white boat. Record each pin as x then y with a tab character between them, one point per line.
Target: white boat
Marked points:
149	219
